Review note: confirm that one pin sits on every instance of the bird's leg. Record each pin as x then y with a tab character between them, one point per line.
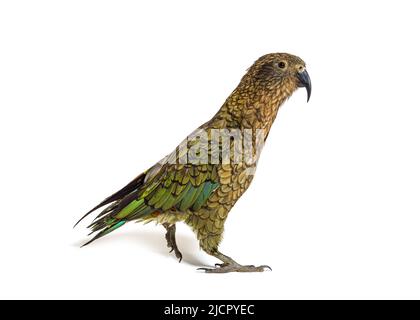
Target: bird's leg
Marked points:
170	238
230	265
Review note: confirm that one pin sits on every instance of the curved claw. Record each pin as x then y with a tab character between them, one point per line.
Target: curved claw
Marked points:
178	255
203	269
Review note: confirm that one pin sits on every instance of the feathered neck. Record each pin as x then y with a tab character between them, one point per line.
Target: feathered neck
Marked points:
253	105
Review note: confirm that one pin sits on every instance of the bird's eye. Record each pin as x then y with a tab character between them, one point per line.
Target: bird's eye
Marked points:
282	65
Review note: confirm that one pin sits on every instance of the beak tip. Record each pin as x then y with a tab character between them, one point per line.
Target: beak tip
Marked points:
305	81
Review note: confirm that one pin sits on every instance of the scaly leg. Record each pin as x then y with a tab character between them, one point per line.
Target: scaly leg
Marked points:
230	265
170	238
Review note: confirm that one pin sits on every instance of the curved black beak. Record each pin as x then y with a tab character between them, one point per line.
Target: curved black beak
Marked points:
305	81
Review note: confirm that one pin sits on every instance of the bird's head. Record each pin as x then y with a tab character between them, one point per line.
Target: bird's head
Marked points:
280	71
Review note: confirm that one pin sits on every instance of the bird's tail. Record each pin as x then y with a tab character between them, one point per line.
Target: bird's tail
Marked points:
107	221
107	229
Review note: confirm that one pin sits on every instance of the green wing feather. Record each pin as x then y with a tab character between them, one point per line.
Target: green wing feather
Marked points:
173	186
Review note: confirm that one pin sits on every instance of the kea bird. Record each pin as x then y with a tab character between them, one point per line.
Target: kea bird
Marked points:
202	179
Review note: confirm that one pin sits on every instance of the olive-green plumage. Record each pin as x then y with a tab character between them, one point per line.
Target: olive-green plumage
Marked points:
201	193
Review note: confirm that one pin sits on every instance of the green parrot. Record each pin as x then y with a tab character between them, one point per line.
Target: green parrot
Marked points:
201	180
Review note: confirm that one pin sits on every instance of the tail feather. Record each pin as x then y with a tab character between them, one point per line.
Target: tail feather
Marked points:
129	188
105	231
105	222
108	209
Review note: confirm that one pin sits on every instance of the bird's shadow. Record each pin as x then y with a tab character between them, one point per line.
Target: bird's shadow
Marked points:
155	241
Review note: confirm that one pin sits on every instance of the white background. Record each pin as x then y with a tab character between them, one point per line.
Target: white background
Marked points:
94	92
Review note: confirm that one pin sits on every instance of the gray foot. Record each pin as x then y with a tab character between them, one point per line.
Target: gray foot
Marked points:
225	268
170	239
